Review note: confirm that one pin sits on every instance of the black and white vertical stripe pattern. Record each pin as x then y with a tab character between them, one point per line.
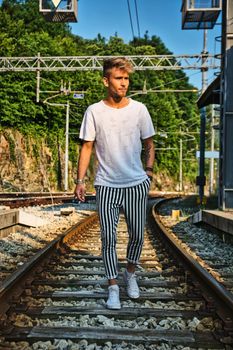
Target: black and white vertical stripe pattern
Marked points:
133	201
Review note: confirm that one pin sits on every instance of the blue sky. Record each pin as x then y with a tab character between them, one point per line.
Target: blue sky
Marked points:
159	17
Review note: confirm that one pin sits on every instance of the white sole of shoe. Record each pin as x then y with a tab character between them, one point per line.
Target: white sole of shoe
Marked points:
133	297
116	307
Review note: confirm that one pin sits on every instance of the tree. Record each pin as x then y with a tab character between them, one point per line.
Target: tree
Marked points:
25	32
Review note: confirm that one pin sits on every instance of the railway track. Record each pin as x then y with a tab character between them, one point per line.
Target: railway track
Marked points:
58	298
26	199
204	243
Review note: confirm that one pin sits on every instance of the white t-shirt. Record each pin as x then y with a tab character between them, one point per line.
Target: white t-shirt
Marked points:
117	134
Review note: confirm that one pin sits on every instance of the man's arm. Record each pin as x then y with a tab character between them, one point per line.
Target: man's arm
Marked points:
149	155
83	163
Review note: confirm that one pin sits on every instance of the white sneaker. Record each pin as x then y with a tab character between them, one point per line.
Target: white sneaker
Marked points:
131	285
113	301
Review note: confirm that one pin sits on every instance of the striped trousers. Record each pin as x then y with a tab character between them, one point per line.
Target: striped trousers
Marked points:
110	201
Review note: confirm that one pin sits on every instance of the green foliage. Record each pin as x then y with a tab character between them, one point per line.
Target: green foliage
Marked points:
24	32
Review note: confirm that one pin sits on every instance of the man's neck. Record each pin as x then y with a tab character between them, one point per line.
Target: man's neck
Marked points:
116	102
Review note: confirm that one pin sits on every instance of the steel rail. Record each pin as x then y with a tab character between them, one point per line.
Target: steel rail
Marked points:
27	199
32	201
33	194
98	334
221	295
13	285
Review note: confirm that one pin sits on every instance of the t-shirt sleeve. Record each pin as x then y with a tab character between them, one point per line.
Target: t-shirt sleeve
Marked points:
87	130
147	128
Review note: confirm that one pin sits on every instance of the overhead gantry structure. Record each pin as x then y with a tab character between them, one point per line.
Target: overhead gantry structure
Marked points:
82	63
40	64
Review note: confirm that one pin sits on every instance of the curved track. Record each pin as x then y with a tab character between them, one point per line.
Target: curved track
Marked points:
60	296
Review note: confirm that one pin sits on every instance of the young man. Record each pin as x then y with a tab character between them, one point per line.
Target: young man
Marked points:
116	126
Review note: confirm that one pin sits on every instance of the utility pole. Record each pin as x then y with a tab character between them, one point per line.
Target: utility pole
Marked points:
67	148
211	181
181	166
78	95
38	80
65	91
201	179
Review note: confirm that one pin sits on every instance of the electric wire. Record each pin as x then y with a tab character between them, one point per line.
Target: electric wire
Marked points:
136	10
130	17
170	82
175	80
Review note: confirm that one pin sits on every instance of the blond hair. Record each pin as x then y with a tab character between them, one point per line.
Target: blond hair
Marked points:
117	62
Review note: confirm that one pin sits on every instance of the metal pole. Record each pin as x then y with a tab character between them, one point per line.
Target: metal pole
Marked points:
181	166
38	80
226	171
211	183
201	177
204	69
67	147
202	155
221	197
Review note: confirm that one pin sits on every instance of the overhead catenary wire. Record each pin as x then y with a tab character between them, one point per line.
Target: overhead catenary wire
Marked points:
145	91
130	18
137	17
174	80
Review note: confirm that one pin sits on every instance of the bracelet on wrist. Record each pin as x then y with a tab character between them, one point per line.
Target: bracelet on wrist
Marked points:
79	181
150	177
149	169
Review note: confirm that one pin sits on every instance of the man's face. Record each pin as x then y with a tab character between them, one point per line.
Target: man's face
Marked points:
117	83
